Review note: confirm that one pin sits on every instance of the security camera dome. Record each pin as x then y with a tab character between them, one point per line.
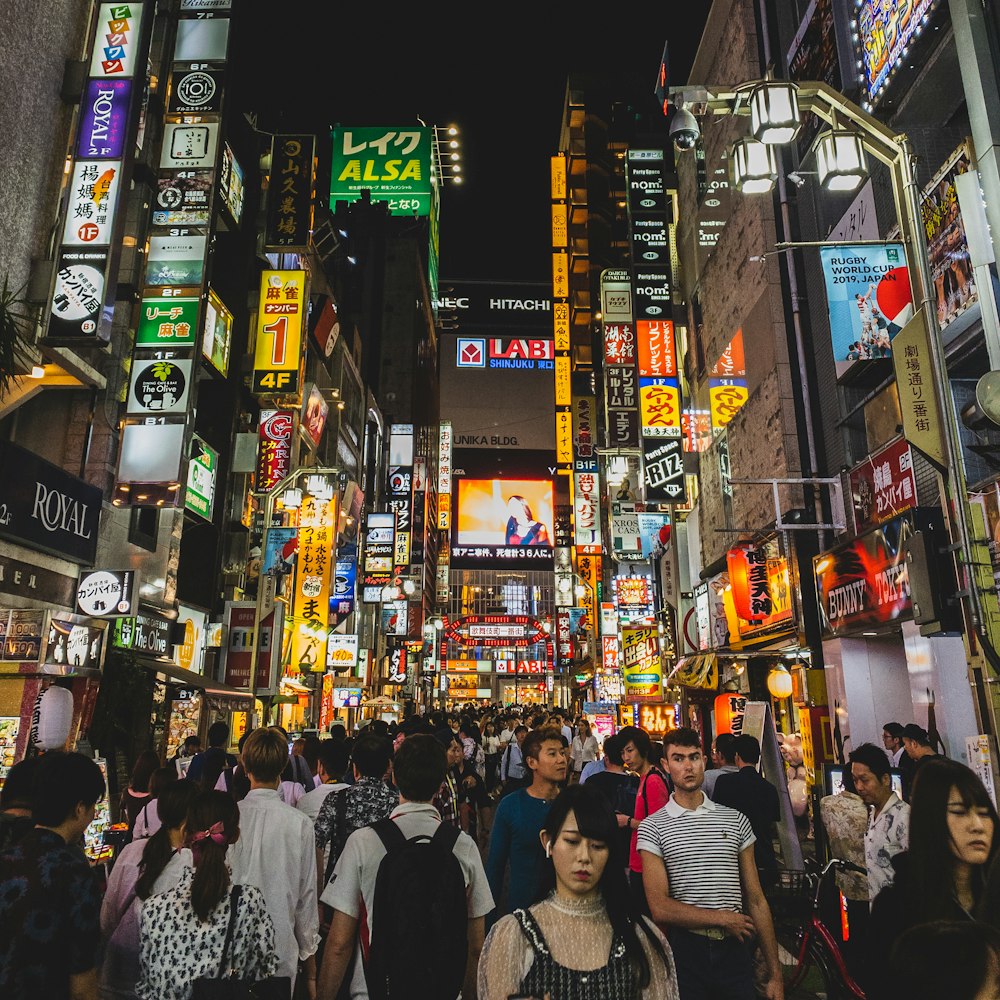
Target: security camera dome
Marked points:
684	129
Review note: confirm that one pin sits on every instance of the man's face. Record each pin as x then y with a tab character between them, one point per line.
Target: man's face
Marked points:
867	785
912	748
520	736
891	743
631	757
454	753
686	766
716	756
551	763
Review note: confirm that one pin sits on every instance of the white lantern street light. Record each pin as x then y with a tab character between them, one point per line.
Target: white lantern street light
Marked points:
754	166
774	112
841	162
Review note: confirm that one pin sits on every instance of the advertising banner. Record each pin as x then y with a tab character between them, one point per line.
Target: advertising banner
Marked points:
167	322
117	40
93	194
947	244
151	452
726	398
311	601
587	512
289	217
159	387
868	298
657	350
176	260
188	146
218	338
195	91
106	594
884	32
278	350
918	402
104	120
203	467
503	519
663	470
634	597
201	40
864	583
641	668
274	448
345	578
231	183
393	164
660	407
78	297
237	651
341	652
883	486
315	410
183	198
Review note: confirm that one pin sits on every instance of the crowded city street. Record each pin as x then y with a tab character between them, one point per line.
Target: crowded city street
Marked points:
500	505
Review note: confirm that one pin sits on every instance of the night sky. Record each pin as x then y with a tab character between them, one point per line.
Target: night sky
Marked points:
499	78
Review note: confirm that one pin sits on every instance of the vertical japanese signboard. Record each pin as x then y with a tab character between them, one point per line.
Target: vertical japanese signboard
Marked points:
621	381
290	193
640	662
311	600
278	350
274	448
587	512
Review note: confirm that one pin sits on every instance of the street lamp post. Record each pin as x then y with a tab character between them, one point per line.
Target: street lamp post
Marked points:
840	157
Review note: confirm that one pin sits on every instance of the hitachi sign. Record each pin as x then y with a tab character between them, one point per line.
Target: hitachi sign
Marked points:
529	305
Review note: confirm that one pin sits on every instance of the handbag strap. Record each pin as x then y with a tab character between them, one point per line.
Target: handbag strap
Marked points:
234	900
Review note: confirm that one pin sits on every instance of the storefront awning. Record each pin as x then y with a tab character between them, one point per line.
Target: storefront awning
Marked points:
178	675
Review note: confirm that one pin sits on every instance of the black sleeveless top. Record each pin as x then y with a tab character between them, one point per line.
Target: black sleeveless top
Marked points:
613	981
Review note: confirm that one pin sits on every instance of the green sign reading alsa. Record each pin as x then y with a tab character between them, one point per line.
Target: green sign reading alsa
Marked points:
394	164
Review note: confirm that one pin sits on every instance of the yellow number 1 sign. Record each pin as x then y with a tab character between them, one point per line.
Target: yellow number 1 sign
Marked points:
278	351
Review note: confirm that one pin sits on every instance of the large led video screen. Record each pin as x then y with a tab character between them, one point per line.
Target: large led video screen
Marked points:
508	521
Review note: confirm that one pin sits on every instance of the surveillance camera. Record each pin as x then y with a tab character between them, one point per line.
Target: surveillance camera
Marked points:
796	178
684	129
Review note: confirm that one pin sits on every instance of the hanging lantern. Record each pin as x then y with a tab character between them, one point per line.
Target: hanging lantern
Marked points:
729	709
747	566
52	719
774	112
754	166
840	160
779	683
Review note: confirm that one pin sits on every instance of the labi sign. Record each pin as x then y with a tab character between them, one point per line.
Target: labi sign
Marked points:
45	508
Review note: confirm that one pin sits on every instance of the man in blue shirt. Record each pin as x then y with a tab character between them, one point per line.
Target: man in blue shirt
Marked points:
520	818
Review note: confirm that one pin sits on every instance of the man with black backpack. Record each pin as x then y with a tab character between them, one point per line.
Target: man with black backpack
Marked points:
409	896
651	796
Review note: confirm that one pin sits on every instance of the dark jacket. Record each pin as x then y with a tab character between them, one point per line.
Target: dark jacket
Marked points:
754	796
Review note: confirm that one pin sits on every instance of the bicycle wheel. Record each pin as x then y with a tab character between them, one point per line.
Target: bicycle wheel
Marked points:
806	973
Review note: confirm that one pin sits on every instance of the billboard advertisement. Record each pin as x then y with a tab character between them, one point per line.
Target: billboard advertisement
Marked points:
167	322
278	349
869	301
498	392
509	520
884	32
218	337
640	662
883	485
104	120
394	164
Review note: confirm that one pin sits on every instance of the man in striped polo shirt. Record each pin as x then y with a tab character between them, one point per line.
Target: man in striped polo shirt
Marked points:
699	873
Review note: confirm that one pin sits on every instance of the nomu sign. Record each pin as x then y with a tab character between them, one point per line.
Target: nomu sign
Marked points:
45	508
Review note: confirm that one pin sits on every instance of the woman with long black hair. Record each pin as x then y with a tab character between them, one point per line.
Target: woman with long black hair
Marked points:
942	875
183	930
583	940
143	868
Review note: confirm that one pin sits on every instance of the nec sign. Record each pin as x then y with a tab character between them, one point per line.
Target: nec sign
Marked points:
480	352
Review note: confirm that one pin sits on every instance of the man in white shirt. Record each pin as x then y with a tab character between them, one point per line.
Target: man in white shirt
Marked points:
888	831
507	734
333	760
276	853
419	767
892	740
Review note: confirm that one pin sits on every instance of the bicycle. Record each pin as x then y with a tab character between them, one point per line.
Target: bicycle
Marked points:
812	964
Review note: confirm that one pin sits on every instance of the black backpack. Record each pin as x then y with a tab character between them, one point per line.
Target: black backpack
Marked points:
421	918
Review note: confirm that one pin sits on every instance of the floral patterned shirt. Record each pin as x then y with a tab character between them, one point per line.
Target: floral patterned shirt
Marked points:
887	834
366	802
176	948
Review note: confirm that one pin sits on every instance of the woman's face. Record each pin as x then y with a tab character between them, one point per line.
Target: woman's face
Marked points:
970	829
579	861
518	510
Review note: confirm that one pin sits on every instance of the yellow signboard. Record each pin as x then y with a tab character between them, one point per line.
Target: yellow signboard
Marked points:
725	400
560	276
560	230
280	315
564	390
560	314
660	407
564	436
558	171
641	667
918	402
311	601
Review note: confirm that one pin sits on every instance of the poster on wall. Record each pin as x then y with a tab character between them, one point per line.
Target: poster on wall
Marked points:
868	298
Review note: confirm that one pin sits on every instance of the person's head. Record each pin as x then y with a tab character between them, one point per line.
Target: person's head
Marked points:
519	509
298	747
489	729
613	750
160	778
892	736
635	747
65	792
379	727
871	773
538	721
469	730
585	860
338	731
214	763
746	750
17	787
265	755
213	824
544	755
915	741
953	826
242	742
311	752
957	959
145	764
520	735
419	767
333	760
191	745
218	735
684	759
583	731
172	805
722	750
371	755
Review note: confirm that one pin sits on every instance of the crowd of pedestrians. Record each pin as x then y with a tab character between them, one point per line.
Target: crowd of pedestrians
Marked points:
490	854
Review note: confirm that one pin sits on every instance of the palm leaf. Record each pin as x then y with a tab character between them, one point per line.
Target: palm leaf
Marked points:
14	324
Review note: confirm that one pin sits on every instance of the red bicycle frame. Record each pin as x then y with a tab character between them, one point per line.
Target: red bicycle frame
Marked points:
816	928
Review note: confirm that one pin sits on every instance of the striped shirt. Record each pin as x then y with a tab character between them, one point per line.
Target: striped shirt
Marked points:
701	850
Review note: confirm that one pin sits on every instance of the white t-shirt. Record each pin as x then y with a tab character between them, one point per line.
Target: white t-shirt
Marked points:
352	888
312	802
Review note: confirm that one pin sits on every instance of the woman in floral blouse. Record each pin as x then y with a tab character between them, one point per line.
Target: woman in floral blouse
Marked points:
183	931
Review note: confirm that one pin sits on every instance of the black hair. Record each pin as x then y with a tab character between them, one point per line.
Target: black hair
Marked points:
931	862
160	778
419	767
335	757
944	958
338	731
62	780
469	727
172	805
218	734
379	726
145	764
522	728
638	737
242	741
725	747
213	763
683	737
532	745
18	784
613	750
747	747
371	755
894	729
311	751
211	876
596	821
446	737
872	757
537	721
